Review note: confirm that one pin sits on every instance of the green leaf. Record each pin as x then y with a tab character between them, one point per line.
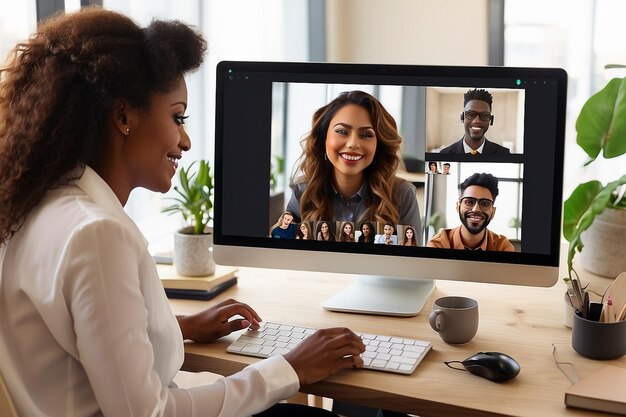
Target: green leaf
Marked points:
616	141
577	204
601	125
195	191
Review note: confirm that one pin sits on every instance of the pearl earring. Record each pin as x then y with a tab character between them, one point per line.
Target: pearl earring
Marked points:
127	130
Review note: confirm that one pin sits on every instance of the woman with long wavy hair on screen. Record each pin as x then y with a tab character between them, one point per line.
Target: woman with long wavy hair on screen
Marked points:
304	231
324	232
347	170
347	232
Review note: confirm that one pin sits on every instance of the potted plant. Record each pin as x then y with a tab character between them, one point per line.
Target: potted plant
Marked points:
193	243
594	216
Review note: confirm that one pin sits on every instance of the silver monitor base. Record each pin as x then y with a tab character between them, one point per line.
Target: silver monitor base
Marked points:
382	295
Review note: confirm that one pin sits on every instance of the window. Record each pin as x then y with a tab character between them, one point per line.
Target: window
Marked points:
267	31
582	37
16	25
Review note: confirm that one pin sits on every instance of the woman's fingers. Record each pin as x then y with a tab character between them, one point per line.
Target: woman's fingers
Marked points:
230	308
324	353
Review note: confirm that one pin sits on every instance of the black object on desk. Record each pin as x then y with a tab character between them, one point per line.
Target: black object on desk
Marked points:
594	312
200	294
495	366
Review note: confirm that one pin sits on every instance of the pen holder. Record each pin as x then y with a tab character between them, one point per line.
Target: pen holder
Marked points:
597	340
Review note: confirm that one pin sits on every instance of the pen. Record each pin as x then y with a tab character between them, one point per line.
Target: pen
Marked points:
622	314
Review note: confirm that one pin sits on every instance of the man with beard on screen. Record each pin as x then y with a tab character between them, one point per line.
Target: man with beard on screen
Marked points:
475	207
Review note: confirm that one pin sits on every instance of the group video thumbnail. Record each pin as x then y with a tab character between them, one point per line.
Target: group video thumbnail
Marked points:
344	231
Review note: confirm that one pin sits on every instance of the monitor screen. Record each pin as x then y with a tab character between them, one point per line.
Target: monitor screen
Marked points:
401	174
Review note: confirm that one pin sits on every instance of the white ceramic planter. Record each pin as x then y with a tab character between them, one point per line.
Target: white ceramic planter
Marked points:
193	254
604	251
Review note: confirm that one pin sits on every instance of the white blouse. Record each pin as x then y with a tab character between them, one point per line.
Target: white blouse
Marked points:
86	329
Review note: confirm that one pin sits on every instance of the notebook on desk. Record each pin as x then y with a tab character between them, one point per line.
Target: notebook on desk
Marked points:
601	391
198	288
200	294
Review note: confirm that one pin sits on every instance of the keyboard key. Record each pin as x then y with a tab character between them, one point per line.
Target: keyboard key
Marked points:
253	340
383	353
378	363
409	354
402	359
236	346
251	349
266	351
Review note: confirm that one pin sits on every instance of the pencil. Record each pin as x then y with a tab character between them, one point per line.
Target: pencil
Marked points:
622	313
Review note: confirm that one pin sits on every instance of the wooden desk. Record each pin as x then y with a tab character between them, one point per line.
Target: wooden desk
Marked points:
521	321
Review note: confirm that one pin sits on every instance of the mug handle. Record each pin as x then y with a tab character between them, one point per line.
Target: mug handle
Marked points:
436	320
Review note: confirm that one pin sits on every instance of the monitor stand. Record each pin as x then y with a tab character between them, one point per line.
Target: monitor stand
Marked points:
382	295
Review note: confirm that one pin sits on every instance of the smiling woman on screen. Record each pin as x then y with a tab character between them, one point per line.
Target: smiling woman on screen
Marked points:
347	171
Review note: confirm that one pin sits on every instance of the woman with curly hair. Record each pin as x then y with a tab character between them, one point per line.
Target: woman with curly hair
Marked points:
368	233
347	170
92	107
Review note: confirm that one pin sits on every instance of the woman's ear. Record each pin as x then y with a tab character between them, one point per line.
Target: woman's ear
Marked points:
122	115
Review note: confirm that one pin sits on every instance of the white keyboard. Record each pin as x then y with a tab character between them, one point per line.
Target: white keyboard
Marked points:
382	353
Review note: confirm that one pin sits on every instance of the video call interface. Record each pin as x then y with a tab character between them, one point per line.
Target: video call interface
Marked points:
455	166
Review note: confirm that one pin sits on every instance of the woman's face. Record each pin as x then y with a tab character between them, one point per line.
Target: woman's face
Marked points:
155	141
388	230
303	229
433	168
351	141
409	233
347	228
366	230
324	228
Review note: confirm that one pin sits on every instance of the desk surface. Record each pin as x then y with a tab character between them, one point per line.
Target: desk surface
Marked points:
521	321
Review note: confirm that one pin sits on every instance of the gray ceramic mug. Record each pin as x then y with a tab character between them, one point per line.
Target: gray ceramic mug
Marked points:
455	319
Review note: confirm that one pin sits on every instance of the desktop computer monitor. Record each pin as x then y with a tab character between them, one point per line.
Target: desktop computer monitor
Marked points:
330	144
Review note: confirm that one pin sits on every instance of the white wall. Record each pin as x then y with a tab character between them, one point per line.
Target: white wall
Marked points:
450	32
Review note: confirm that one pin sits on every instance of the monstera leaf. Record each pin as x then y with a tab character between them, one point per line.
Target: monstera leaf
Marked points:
601	125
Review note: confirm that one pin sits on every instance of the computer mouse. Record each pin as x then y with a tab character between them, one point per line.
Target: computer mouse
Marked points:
494	366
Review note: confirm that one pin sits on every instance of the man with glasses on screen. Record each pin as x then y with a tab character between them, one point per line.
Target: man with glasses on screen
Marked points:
476	210
476	118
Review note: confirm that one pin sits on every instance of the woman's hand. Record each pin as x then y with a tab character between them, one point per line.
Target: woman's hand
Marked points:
213	323
324	353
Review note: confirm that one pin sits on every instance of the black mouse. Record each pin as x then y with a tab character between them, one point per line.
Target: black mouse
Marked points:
494	366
